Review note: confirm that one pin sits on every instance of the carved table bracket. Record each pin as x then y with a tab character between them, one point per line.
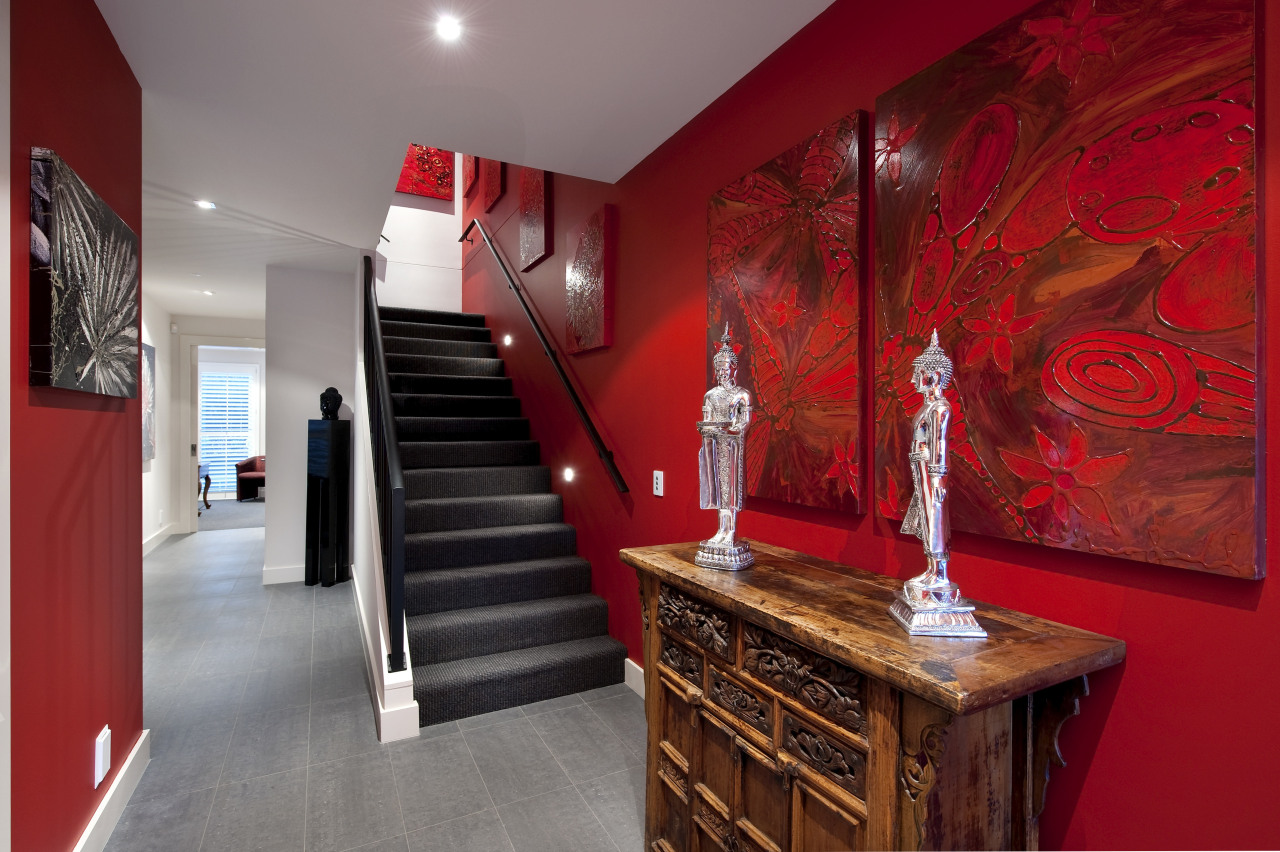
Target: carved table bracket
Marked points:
1049	709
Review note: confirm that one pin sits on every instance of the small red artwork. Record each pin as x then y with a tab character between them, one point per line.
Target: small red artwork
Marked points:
468	174
493	178
1070	201
427	171
588	275
783	272
535	213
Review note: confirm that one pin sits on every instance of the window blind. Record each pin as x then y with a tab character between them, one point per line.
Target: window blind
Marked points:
224	425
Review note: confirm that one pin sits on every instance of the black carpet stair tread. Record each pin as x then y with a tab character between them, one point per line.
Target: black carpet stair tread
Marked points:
456	513
446	348
432	317
441	637
440	365
434	332
455	405
462	428
435	454
489	585
462	688
454	385
458	548
436	483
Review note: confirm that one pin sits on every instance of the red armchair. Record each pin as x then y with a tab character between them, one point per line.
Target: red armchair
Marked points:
251	474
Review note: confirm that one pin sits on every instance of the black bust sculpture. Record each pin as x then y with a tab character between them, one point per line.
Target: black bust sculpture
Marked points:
330	402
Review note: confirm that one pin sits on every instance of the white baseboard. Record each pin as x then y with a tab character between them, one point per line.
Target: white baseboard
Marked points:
395	711
156	539
633	676
98	832
283	574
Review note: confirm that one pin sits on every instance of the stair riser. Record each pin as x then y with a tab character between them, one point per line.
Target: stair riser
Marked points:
461	482
502	688
449	551
441	591
442	348
438	405
478	514
437	366
434	332
430	317
462	429
451	385
481	637
429	454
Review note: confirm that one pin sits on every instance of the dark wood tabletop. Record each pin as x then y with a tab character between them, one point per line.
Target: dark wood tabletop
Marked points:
844	613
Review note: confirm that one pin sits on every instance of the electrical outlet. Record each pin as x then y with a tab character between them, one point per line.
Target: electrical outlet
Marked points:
101	756
657	483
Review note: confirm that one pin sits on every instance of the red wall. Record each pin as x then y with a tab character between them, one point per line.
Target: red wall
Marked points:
77	458
1173	748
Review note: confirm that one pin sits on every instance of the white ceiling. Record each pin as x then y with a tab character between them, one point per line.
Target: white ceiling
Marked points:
294	115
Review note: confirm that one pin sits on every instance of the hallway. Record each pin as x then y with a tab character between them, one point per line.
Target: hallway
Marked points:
263	736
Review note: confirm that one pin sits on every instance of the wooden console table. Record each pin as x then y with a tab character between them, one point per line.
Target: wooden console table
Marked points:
788	711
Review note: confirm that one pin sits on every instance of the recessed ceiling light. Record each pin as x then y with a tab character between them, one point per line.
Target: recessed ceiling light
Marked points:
206	292
448	28
206	205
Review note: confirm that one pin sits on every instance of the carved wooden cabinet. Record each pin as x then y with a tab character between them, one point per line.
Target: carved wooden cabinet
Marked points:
787	711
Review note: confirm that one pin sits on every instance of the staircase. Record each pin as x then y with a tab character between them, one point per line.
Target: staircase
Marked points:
498	604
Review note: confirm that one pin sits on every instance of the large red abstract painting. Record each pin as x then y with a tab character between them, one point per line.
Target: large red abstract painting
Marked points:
783	272
1070	201
493	178
588	314
427	171
535	211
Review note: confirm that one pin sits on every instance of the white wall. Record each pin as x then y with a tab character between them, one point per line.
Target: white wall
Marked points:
311	330
158	511
419	265
6	728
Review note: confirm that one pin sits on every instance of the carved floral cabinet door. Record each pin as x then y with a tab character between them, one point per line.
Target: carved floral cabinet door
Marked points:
677	708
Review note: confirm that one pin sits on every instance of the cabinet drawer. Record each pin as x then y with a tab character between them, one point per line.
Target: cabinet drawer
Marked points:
812	680
741	702
702	624
682	662
830	757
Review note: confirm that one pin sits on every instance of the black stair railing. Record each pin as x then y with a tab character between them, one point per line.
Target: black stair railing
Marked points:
605	454
389	477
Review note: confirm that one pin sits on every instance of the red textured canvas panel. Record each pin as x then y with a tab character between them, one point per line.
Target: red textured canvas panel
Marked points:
468	174
783	271
588	310
535	210
493	178
428	172
1070	201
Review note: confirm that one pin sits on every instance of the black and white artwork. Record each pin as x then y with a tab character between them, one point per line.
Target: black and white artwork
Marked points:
148	402
84	285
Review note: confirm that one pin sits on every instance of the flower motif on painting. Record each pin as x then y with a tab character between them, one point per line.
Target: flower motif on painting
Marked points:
1067	477
994	334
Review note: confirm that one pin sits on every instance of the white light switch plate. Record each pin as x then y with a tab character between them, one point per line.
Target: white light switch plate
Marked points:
101	756
657	483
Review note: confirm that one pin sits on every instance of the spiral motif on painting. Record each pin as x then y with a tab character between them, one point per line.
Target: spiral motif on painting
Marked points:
1121	378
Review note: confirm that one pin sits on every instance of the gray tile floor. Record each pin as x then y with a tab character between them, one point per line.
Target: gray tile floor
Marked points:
263	735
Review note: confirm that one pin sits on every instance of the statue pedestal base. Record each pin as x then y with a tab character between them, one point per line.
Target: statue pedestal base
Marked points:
733	557
956	621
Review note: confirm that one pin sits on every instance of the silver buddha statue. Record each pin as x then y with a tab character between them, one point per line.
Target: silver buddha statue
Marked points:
726	414
930	605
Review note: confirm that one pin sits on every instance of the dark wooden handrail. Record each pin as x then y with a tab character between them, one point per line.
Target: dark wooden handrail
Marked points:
388	476
605	454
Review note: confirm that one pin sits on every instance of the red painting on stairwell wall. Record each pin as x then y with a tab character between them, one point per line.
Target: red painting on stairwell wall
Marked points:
493	180
1070	200
468	174
428	172
535	213
588	277
782	271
